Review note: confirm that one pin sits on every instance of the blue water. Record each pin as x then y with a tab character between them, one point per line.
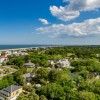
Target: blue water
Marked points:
2	47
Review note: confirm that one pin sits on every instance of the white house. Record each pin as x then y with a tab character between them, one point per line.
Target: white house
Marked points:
15	53
2	60
8	53
51	62
0	53
63	63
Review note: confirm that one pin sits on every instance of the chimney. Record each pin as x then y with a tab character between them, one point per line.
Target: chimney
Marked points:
11	88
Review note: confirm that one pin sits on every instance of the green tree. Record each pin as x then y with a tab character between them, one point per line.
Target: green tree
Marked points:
55	75
42	73
84	74
53	91
84	95
22	97
42	97
33	96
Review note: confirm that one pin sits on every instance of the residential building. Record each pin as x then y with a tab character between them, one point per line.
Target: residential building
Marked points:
8	53
51	62
3	59
29	65
10	92
28	77
62	63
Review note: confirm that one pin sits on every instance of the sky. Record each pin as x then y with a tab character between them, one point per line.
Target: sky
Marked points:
61	22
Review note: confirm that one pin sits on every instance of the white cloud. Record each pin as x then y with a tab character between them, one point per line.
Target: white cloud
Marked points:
62	14
43	21
88	27
73	9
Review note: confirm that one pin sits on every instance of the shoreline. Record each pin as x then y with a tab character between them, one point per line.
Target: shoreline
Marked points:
26	48
13	49
37	46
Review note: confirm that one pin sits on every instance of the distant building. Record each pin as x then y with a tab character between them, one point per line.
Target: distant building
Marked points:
63	63
4	56
29	65
0	53
8	53
28	77
51	62
38	85
95	75
3	59
15	52
98	55
10	93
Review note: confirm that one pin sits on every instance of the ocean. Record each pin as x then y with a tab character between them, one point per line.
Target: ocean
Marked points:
3	47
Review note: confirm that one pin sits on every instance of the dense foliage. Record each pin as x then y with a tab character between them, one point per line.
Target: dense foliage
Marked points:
80	83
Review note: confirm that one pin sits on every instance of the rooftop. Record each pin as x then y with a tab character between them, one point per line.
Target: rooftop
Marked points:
29	64
10	89
28	75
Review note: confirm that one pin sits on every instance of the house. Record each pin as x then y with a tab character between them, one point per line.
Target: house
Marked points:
15	53
64	63
3	59
8	53
36	48
23	53
39	67
28	77
38	85
98	55
10	92
51	62
4	56
29	65
95	75
0	53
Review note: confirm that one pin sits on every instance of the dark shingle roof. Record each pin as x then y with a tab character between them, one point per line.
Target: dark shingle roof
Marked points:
11	88
4	92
